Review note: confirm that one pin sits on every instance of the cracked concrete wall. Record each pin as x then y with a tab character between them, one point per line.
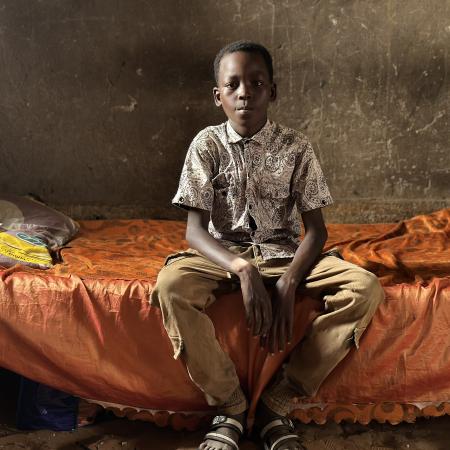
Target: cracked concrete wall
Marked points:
99	100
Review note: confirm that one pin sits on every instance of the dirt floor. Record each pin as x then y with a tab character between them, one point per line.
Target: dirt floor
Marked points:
432	434
114	434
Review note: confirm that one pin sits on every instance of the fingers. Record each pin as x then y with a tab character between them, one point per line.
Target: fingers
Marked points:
277	340
259	313
263	340
290	329
263	312
267	317
263	318
266	325
257	305
258	318
250	318
273	337
279	334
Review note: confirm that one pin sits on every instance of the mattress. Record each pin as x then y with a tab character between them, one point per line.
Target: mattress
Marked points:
86	327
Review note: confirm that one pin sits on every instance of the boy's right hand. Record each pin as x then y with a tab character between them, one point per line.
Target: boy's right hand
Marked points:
257	303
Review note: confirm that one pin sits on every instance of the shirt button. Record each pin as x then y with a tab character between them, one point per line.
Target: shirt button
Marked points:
181	199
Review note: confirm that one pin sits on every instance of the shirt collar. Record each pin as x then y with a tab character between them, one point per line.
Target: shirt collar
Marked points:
260	137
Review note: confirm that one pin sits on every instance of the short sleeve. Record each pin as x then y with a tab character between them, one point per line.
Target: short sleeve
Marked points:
195	189
309	184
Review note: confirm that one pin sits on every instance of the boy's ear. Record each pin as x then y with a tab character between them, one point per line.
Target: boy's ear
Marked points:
216	94
273	92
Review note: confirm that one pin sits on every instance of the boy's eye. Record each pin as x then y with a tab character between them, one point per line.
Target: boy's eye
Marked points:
231	85
258	83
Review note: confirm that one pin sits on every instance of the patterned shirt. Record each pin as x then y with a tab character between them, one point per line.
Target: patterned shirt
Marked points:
255	188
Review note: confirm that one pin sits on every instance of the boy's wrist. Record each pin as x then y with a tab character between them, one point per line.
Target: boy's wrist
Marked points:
241	267
292	280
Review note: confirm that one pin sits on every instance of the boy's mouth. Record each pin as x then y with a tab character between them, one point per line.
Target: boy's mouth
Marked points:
244	108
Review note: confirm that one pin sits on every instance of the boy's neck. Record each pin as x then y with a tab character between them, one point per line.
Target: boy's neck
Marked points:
247	132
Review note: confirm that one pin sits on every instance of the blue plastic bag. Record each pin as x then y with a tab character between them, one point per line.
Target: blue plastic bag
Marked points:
41	407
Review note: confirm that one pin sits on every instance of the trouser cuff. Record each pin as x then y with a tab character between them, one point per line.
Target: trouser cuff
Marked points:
236	404
281	397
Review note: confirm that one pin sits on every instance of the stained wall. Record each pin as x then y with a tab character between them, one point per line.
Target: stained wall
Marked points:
99	100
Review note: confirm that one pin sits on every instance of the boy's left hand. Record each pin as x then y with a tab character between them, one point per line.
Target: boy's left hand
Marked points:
283	302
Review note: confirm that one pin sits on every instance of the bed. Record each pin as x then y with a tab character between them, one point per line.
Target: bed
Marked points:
85	326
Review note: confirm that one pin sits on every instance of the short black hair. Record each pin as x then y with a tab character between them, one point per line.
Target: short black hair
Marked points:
243	46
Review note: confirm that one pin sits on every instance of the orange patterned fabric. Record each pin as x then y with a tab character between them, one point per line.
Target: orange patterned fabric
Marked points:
417	249
412	250
393	413
85	326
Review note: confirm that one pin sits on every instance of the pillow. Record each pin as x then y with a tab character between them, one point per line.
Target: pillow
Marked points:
35	218
30	231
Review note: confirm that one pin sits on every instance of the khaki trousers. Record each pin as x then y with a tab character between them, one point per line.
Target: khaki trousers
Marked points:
189	283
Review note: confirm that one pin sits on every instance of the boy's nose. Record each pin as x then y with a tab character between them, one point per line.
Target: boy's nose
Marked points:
244	91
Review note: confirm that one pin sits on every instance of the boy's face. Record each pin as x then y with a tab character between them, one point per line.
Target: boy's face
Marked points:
244	91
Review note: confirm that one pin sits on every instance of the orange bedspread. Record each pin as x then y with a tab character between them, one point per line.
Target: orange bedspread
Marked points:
85	326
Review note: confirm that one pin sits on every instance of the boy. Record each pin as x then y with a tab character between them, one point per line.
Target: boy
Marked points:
245	184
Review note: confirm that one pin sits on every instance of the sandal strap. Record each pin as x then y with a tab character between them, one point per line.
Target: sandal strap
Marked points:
222	438
283	438
227	422
226	425
284	422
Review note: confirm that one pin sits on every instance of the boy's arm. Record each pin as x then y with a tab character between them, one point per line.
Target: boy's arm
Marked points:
284	296
257	302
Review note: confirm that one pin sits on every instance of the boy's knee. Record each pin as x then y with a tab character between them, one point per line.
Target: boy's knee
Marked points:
177	287
372	291
372	283
168	284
